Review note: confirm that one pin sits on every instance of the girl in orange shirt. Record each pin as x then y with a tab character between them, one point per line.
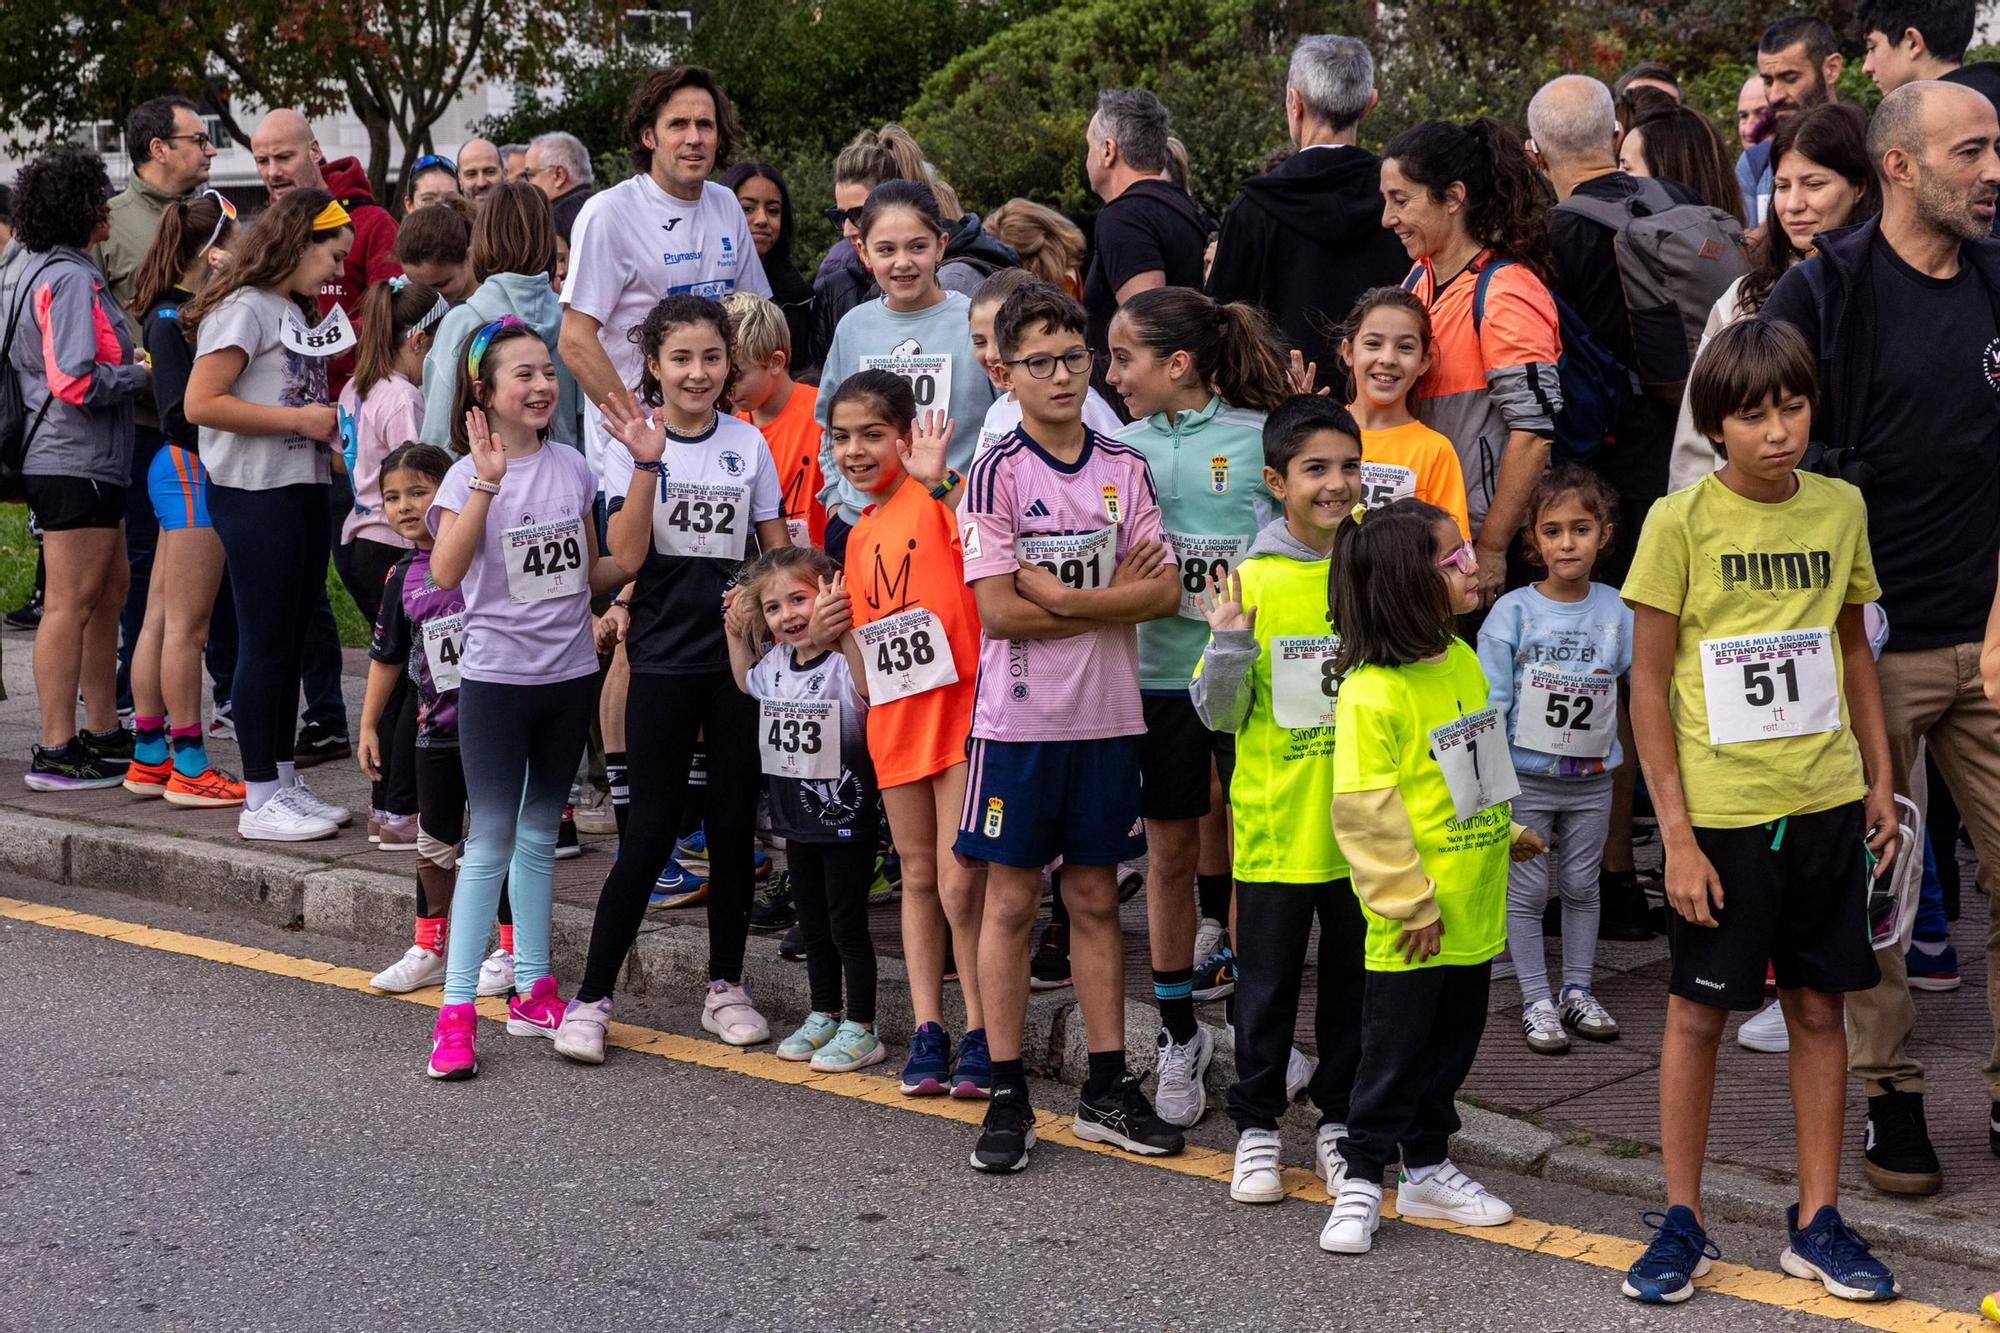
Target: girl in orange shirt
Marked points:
1386	346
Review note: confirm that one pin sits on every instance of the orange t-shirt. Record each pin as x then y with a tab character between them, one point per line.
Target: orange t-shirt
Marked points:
793	437
902	554
1413	459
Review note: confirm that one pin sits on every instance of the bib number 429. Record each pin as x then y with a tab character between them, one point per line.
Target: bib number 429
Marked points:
552	557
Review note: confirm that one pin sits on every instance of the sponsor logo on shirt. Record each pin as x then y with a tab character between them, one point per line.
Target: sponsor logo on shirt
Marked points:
680	256
887	588
1036	509
732	462
1775	571
726	247
670	224
1989	365
968	540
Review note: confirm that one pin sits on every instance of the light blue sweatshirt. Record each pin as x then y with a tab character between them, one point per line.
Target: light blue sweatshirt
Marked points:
1526	629
527	295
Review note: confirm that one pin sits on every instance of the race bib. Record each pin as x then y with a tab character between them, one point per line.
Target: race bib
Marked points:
1201	559
699	518
330	337
1080	560
1303	685
1763	686
1386	483
1564	714
929	375
1472	753
798	531
545	560
444	645
799	738
905	654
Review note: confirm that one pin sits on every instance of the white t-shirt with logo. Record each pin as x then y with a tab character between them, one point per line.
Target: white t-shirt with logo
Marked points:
635	243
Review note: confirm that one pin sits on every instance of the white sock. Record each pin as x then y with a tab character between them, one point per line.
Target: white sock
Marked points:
257	793
288	773
1419	1174
1931	948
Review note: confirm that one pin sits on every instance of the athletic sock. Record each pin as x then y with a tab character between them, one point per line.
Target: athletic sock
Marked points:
190	751
256	795
430	932
1175	992
1009	1074
149	740
507	937
621	791
1212	892
288	773
1419	1174
1106	1068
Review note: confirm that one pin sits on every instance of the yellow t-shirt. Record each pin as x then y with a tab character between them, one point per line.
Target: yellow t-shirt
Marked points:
1382	726
1778	740
1414	460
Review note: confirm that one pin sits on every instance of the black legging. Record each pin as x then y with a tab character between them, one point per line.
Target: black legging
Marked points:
276	544
663	716
830	888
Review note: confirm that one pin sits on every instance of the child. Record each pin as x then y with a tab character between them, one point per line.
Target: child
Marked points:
420	633
258	391
189	248
1553	654
1262	678
1759	725
1197	378
1064	552
1005	413
1420	808
512	528
915	329
812	741
688	492
766	396
435	250
1386	347
904	613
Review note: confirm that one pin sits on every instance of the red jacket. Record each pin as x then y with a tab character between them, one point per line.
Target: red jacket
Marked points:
372	258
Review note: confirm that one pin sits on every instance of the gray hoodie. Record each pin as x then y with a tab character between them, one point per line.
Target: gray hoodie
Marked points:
527	295
72	355
1217	689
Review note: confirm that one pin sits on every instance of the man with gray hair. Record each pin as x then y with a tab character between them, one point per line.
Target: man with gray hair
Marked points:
513	161
559	166
1305	240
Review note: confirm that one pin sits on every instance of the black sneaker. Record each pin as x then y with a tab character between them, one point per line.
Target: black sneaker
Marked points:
73	766
113	744
793	946
1049	968
1900	1159
1124	1118
771	910
1008	1133
1624	915
318	743
566	844
27	617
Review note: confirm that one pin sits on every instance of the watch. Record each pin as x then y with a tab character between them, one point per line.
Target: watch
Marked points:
948	485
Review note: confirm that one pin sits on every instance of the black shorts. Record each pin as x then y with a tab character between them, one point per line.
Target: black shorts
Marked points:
64	504
1174	756
1802	907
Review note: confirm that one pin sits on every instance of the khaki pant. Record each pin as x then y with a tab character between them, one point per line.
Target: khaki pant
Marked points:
1932	696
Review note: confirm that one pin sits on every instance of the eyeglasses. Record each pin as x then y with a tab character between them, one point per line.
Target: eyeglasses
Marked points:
841	216
225	219
198	140
1463	558
1043	366
429	160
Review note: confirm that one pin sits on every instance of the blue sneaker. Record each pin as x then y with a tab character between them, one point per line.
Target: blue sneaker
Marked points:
1830	1251
1679	1253
925	1072
694	847
973	1076
1935	972
677	886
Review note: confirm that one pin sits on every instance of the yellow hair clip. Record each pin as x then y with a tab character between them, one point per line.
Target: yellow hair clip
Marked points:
1359	512
332	218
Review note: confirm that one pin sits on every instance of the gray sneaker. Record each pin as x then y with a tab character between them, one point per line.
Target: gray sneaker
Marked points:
1543	1027
581	1036
1179	1094
1583	1014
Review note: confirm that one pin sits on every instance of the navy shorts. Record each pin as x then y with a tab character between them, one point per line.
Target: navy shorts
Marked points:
1029	802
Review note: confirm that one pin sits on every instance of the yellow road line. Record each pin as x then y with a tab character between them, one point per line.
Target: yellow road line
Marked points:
1545	1238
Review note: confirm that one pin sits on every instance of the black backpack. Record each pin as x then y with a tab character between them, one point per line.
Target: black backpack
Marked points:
15	428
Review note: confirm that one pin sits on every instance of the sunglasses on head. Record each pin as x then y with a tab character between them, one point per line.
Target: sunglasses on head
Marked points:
429	160
227	216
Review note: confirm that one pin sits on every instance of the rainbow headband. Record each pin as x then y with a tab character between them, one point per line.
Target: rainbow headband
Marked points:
332	218
476	349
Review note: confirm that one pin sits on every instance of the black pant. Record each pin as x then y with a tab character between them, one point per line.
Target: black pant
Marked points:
440	780
830	888
364	567
396	790
1419	1033
1273	923
276	542
663	717
326	707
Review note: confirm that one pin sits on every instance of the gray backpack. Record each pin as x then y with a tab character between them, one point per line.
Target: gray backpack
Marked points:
1674	260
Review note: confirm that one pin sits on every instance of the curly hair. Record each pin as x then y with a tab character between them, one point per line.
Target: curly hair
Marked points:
1507	201
672	313
59	199
807	564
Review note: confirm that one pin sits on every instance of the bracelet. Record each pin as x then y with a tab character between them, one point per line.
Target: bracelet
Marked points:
948	485
481	484
620	601
657	466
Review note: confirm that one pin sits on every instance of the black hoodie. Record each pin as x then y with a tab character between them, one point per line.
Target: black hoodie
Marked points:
1304	242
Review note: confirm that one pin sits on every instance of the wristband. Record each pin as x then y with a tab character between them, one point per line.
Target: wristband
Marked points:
621	602
481	484
656	467
947	486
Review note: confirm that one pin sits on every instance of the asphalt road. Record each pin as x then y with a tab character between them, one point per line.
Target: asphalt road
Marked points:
191	1145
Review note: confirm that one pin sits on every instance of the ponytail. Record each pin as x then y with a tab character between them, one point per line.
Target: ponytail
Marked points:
1233	347
391	310
1506	200
182	236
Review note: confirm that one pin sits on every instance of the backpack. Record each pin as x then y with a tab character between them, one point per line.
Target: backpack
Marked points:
1674	261
15	428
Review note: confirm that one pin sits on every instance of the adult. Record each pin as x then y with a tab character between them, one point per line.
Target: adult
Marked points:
170	152
767	208
1150	232
1682	146
1303	241
1798	62
1753	112
6	216
1647	74
559	166
1904	313
1463	199
1906	40
1050	245
433	179
478	167
513	161
72	356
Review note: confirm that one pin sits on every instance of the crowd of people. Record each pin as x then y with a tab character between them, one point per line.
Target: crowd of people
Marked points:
1350	558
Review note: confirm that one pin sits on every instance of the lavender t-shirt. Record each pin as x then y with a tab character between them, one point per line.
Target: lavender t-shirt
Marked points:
523	643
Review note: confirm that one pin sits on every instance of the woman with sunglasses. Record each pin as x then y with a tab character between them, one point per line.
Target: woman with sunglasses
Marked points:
433	179
767	208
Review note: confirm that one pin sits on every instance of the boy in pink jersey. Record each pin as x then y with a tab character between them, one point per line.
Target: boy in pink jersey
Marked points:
1065	555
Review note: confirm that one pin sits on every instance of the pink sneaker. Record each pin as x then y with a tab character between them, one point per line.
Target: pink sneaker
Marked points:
537	1016
451	1043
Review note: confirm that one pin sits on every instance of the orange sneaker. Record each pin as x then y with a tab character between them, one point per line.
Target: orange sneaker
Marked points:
213	789
148	779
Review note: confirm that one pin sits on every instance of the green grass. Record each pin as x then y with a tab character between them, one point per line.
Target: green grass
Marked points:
17	577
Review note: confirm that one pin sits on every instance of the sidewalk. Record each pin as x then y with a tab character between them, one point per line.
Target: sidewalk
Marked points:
1590	1117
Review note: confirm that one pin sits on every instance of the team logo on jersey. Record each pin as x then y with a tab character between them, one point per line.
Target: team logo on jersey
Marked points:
732	462
995	811
1112	509
1218	475
814	681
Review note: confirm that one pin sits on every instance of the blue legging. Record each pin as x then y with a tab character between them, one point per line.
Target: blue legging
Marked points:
520	745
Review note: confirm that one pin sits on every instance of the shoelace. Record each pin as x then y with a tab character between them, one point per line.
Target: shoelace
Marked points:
1846	1248
1537	1020
1687	1248
1177	1061
1589	1006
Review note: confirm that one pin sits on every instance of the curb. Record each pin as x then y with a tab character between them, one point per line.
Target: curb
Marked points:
369	906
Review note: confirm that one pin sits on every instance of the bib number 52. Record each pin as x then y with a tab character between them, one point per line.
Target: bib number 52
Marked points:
1569	712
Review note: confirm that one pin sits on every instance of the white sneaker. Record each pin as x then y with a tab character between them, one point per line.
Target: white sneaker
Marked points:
311	800
496	974
581	1036
413	971
1179	1093
1449	1195
282	819
726	1011
1586	1014
1542	1025
1766	1032
1257	1177
1299	1069
1207	937
1357	1212
1331	1165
